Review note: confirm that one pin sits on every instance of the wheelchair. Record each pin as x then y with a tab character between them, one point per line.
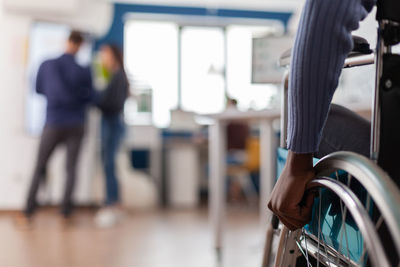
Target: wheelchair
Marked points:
356	213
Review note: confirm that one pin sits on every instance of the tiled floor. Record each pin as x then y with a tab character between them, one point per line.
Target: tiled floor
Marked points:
143	239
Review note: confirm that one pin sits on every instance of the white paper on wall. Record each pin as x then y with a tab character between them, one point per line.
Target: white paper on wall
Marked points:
265	55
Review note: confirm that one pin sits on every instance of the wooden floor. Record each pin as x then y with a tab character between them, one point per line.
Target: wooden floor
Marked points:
143	239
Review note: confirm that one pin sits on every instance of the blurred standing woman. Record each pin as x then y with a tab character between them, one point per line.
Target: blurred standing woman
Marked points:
111	104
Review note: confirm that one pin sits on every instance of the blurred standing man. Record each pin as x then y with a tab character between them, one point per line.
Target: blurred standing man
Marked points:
67	88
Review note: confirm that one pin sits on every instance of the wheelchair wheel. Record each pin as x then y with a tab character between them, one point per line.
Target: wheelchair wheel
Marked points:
355	220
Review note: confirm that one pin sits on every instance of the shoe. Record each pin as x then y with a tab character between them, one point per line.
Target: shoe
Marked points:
108	217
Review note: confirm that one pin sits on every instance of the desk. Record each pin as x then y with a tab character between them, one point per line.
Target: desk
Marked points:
217	163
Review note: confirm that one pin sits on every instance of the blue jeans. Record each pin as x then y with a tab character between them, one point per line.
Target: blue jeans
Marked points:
112	132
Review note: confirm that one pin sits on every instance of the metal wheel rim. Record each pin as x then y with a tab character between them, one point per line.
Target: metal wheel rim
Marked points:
379	185
360	215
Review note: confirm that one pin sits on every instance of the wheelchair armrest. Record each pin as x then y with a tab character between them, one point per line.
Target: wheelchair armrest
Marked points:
360	47
284	59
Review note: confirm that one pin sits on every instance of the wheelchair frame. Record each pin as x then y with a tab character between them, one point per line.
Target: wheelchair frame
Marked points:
388	35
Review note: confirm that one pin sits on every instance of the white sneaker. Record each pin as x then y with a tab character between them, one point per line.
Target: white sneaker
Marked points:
107	217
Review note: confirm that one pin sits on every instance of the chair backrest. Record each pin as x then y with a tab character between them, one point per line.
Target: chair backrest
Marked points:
388	10
253	154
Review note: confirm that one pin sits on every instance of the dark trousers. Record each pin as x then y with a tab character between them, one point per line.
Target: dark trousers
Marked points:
52	136
344	131
112	131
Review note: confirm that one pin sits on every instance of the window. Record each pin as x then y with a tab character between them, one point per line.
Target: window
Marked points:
255	96
203	60
151	58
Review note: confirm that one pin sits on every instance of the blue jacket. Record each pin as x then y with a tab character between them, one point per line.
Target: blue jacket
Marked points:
68	89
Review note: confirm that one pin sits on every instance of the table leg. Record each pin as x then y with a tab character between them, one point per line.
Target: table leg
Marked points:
217	164
268	145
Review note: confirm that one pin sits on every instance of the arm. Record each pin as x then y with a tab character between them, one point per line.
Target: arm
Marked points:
87	90
39	83
113	97
103	99
322	43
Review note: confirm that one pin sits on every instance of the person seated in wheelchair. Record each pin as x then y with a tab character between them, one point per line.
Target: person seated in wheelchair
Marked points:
315	126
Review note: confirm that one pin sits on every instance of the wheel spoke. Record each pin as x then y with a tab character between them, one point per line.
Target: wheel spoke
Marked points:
379	223
341	228
345	230
319	225
320	233
363	254
326	251
349	177
305	241
301	249
339	250
368	202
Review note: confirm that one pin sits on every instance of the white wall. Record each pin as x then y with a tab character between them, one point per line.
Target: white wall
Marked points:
88	15
18	149
353	87
59	7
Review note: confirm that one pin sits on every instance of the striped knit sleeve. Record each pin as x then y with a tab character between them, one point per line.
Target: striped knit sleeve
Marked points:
322	43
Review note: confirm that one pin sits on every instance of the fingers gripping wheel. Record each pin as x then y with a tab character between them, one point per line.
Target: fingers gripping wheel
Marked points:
355	221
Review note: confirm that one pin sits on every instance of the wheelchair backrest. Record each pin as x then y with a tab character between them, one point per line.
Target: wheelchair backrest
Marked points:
388	10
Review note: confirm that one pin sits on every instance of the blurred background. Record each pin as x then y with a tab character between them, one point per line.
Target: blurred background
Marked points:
201	126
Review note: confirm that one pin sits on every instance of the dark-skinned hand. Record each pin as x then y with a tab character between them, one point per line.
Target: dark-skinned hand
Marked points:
289	200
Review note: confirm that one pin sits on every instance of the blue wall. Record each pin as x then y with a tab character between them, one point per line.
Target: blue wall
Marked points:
116	32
